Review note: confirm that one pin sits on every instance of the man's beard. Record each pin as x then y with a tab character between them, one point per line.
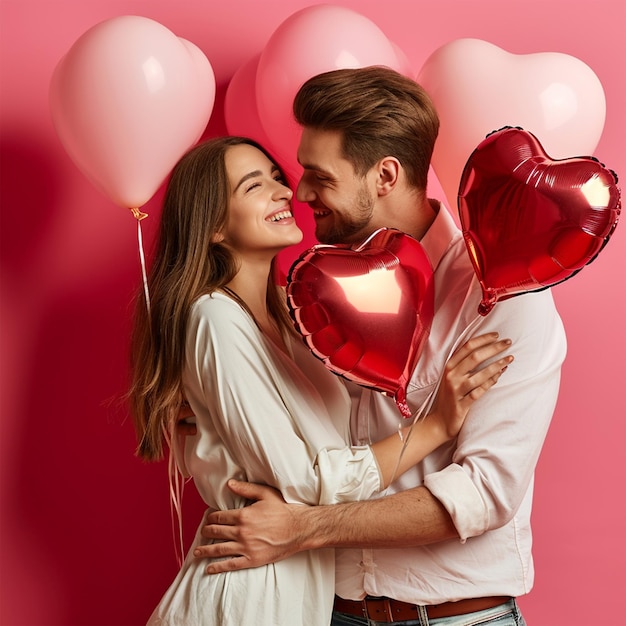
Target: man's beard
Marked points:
352	227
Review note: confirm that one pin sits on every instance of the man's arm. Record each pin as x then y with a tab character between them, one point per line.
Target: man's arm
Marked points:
270	530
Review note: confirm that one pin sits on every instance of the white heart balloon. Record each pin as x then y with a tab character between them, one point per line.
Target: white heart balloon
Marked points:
478	88
127	100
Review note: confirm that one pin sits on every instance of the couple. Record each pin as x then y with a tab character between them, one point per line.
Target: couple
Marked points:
451	542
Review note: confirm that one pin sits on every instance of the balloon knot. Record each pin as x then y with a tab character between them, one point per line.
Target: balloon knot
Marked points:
138	215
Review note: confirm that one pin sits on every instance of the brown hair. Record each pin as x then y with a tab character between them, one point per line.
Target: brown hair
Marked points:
380	113
187	264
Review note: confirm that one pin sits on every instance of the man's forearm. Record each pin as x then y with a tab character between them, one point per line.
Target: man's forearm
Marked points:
409	518
270	530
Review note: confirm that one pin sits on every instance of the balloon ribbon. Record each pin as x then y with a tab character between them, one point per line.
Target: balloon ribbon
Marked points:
139	215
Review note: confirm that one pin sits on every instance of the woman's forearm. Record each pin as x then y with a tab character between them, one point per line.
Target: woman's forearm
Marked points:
399	452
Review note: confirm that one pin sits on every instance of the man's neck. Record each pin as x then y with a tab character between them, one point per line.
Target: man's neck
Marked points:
412	215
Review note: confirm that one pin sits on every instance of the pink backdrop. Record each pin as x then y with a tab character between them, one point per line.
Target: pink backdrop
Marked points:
86	536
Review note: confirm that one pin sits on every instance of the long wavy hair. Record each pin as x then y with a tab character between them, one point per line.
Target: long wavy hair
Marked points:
187	264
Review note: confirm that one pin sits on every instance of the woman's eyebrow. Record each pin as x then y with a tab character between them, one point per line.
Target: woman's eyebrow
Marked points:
248	176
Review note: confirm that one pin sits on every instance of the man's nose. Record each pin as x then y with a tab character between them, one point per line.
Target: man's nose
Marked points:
304	192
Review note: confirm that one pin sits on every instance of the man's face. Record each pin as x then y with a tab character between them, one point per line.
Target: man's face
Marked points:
342	201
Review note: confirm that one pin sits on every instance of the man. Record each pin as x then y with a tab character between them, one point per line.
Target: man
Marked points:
452	536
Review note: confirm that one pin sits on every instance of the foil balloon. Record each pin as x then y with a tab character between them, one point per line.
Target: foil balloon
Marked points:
530	221
365	310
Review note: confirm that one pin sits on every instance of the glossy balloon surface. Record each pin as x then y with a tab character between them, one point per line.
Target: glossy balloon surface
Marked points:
530	221
366	310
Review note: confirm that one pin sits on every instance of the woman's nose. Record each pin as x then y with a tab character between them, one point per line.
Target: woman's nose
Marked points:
282	191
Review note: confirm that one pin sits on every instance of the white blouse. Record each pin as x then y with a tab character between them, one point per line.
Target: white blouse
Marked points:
262	417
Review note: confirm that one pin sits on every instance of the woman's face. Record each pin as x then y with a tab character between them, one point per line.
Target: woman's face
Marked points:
259	215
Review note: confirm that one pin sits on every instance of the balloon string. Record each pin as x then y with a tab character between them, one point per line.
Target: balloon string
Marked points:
428	402
140	216
176	485
175	476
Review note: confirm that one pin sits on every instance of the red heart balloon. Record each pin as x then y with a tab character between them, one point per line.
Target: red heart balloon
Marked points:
365	310
529	221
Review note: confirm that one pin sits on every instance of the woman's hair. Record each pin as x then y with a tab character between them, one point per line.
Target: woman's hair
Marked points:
187	264
379	112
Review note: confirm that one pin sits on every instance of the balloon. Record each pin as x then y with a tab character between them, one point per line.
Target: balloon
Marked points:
529	221
311	41
242	117
477	87
365	310
127	100
240	110
405	66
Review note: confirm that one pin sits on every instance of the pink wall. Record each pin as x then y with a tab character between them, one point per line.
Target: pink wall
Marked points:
85	526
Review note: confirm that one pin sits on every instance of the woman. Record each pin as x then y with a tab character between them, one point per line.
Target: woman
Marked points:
218	335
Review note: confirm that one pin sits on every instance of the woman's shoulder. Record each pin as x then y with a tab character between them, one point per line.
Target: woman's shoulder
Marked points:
219	310
215	300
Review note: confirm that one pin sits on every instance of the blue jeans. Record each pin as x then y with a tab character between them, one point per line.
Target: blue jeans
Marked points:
507	614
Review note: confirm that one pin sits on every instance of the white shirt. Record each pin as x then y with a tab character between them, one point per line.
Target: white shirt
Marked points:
262	417
485	478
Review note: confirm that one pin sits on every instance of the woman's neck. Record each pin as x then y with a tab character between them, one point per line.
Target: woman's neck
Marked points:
250	286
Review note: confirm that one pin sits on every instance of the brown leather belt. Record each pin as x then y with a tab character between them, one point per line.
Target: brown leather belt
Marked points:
389	610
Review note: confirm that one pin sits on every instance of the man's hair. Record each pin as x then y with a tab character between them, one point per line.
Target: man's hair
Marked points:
379	112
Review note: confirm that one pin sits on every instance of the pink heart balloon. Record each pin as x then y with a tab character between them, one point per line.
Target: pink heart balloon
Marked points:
530	221
366	310
127	100
313	40
240	109
477	87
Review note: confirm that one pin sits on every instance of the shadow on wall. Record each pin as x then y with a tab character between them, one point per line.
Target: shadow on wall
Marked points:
30	192
85	520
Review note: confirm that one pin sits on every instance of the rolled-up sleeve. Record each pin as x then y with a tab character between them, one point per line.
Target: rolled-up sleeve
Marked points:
499	444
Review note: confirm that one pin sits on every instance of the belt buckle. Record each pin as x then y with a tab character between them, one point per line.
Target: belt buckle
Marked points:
380	610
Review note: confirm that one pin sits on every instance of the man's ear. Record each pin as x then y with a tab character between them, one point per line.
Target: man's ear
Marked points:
388	170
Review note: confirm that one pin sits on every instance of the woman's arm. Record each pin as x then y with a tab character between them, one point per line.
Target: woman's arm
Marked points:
465	379
252	536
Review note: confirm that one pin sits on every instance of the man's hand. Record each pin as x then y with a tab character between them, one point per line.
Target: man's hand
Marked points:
262	533
185	427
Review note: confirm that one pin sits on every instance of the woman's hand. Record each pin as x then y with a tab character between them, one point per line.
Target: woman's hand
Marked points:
466	378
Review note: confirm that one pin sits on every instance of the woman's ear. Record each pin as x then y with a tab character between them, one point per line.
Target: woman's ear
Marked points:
388	174
217	238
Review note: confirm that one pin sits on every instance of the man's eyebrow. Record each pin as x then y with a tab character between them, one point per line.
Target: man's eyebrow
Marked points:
316	168
253	174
